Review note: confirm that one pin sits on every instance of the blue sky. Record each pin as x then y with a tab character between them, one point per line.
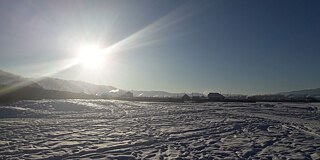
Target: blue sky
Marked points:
249	47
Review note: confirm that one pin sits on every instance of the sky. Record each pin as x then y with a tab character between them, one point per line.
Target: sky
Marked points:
248	46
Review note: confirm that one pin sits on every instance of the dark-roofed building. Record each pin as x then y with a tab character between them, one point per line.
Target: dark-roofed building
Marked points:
215	96
185	97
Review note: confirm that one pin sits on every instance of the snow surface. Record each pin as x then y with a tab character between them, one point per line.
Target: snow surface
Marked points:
104	129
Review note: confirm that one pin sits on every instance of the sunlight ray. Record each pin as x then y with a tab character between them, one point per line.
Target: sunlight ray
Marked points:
152	32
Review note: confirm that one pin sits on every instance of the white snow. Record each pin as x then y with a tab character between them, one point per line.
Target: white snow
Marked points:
104	129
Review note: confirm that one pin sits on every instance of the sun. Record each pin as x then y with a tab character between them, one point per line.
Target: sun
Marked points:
91	56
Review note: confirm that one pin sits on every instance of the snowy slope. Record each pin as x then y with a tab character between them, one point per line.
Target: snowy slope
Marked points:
73	86
7	78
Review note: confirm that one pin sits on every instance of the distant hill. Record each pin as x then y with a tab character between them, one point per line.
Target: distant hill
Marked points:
88	88
31	92
14	87
155	94
73	86
310	92
7	78
55	84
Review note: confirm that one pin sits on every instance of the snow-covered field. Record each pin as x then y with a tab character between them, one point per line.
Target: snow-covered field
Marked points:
74	129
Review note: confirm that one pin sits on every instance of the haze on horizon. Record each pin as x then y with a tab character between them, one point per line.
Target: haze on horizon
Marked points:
248	46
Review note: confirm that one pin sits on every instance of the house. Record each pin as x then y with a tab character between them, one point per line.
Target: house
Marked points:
215	96
185	97
127	95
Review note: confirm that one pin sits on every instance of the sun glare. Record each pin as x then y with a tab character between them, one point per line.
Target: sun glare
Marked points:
91	56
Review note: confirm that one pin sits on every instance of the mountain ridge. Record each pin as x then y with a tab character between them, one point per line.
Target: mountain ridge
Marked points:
310	92
73	86
77	86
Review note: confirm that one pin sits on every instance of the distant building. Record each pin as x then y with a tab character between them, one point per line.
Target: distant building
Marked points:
215	96
127	95
185	97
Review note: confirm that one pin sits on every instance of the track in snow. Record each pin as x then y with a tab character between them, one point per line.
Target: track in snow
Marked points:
74	129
